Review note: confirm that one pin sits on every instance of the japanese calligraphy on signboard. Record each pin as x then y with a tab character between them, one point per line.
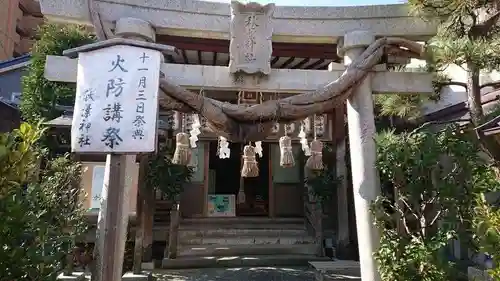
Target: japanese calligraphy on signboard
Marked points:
251	34
116	104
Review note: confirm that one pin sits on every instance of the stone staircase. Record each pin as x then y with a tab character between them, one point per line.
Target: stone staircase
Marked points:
236	242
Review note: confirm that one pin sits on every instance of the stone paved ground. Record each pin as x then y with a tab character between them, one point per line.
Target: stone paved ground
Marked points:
237	274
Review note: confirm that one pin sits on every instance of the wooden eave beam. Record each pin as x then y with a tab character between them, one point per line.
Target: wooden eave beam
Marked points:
300	50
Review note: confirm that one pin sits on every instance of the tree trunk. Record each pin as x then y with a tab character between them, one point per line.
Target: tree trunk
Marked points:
474	94
489	144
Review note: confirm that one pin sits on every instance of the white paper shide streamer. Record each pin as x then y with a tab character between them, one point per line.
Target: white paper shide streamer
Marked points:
224	151
258	148
303	140
195	130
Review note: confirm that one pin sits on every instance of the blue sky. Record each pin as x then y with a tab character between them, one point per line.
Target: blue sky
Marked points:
322	2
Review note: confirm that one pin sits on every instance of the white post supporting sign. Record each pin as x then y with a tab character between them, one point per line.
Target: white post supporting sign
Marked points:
116	105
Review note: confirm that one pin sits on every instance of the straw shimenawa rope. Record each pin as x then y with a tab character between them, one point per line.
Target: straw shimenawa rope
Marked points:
315	161
286	153
250	168
182	154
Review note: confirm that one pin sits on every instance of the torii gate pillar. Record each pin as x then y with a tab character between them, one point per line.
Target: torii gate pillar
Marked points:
365	179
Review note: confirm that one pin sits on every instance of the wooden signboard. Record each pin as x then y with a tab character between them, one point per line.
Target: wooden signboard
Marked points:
116	104
221	205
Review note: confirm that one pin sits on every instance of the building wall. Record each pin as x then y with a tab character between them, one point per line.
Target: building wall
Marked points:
10	84
11	72
92	183
9	118
19	20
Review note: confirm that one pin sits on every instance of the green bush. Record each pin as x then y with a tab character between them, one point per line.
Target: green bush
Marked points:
40	208
166	176
431	180
323	183
40	97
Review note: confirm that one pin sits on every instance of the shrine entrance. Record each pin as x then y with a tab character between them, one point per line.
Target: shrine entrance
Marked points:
225	179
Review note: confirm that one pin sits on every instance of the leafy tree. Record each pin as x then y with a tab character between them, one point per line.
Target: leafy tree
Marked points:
468	36
40	207
40	97
323	183
166	176
429	178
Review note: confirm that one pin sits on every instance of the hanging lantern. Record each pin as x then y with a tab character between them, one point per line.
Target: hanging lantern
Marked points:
286	153
250	168
182	153
315	162
319	125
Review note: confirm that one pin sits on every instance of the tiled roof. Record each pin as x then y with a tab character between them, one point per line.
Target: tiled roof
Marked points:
14	61
6	103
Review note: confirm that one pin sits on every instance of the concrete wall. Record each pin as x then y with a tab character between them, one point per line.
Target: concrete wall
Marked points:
9	118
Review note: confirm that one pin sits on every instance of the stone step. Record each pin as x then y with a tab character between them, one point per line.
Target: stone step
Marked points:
221	232
337	270
196	226
238	261
246	250
247	240
242	220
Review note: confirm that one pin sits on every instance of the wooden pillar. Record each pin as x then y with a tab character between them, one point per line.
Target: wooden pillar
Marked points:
365	179
174	229
112	221
148	220
342	188
206	177
272	200
140	210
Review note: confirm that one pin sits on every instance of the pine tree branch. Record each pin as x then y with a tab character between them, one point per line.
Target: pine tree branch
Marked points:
462	84
483	29
486	124
427	124
490	84
453	83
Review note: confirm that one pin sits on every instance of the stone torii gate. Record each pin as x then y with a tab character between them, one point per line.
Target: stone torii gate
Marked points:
352	43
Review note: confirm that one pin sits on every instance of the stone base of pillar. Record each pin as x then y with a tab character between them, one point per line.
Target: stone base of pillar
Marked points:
144	276
148	265
75	276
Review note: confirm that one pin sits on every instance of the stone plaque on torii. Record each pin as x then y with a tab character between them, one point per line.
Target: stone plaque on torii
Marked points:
250	47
